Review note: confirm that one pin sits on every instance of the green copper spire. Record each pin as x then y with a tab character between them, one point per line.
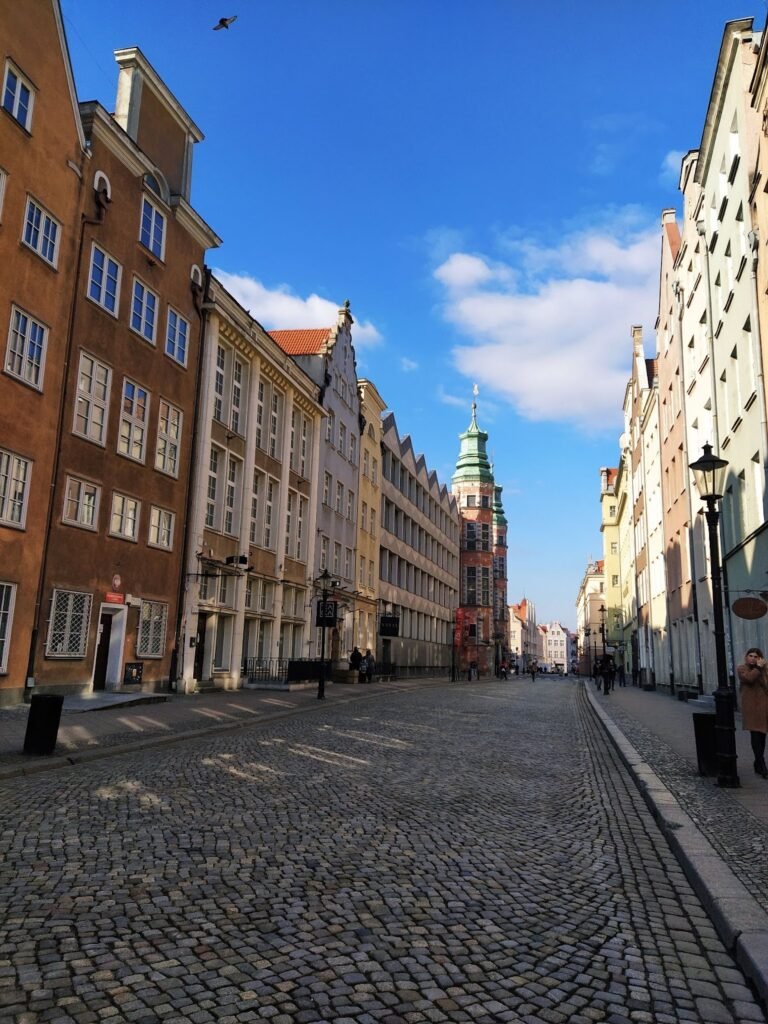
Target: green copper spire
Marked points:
473	461
499	519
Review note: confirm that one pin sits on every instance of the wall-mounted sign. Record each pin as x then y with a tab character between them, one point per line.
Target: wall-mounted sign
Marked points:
111	598
326	613
389	625
116	581
133	672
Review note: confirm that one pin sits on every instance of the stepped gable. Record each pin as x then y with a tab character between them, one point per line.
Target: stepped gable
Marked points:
403	446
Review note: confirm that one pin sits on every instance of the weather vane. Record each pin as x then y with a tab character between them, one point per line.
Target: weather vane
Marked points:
475	390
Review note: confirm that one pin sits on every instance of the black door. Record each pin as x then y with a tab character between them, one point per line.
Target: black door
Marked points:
202	619
102	653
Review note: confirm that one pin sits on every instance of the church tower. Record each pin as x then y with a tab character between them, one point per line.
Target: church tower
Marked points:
480	635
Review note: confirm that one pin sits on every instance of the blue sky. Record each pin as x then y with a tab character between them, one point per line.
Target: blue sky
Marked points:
483	181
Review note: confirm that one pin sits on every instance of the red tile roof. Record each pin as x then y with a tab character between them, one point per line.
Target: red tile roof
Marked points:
306	342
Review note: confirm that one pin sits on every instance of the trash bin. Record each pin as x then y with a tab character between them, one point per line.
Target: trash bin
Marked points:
706	748
43	723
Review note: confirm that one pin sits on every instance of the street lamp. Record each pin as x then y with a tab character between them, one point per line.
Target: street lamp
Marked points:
709	477
326	616
587	635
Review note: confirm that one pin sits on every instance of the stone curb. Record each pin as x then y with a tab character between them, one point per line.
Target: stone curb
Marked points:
96	753
739	921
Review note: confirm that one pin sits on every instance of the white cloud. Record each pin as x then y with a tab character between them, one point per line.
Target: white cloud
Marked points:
669	172
408	365
551	334
280	309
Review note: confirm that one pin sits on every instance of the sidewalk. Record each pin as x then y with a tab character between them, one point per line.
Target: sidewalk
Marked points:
106	724
720	836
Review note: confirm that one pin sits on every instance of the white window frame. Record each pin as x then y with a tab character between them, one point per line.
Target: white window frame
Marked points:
232	496
3	182
45	224
236	410
219	372
31	368
74	633
122	506
339	506
88	401
21	80
132	433
162	523
215	462
156	215
327	487
7	604
271	498
145	321
96	290
169	419
173	324
77	510
151	631
15	476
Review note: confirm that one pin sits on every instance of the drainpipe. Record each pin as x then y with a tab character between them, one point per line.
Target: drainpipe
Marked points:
102	202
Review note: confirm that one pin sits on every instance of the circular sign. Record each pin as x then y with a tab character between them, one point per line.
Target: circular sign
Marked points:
116	581
749	608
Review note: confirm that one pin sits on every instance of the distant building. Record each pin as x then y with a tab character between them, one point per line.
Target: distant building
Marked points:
556	654
481	621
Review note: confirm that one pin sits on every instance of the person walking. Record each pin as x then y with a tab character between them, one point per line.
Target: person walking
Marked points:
355	661
753	688
370	665
532	670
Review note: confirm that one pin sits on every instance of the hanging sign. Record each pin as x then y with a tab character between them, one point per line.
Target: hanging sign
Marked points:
389	625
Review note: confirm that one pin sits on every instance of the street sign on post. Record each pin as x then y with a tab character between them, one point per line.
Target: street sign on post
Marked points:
326	613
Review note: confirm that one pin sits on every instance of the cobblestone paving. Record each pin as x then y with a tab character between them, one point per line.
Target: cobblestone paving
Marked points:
451	854
739	836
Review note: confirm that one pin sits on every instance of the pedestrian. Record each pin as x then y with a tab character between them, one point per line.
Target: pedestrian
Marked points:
612	673
355	661
532	670
622	675
370	665
503	670
753	687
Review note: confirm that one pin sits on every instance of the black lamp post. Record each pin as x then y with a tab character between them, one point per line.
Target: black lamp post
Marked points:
587	635
601	609
709	476
326	616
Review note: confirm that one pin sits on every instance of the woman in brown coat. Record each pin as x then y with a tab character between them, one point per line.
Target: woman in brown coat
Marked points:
753	680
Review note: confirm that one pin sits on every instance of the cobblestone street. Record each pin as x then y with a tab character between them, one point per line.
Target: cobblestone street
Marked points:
453	853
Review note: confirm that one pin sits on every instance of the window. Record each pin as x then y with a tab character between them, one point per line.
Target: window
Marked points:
3	179
342	439
81	503
150	642
26	348
350	505
347	563
133	421
364	516
301	520
365	462
176	337
104	280
41	232
218	384
353	449
614	581
232	496
211	510
323	553
18	96
125	517
374	472
327	485
93	382
329	428
168	437
68	626
275	422
612	510
7	598
373	522
161	528
256	490
269	506
260	415
336	558
339	497
14	488
144	311
237	396
152	230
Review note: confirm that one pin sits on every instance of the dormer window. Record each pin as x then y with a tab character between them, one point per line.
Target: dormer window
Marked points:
18	96
152	231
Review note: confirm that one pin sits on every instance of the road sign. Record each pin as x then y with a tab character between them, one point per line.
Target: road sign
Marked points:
326	613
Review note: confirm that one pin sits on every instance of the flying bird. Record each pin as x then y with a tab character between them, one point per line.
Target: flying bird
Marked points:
224	23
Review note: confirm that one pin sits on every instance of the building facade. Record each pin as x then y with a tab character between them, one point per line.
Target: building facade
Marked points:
369	518
45	176
418	559
114	553
247	589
